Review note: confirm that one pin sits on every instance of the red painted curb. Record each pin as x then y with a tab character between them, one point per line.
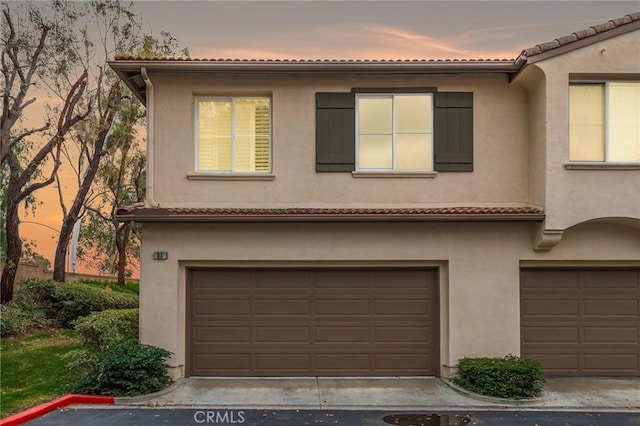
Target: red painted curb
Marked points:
42	409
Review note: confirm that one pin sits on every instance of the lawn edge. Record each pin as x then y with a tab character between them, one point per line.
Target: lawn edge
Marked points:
63	401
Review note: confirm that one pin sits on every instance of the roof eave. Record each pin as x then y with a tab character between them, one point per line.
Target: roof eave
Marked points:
532	58
331	218
129	70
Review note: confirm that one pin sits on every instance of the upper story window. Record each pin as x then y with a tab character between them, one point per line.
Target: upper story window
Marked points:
604	122
233	134
394	132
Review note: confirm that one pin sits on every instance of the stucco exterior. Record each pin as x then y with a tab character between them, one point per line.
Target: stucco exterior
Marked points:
575	196
479	266
500	151
520	158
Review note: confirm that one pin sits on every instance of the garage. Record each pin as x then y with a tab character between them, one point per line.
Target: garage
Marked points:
582	322
312	322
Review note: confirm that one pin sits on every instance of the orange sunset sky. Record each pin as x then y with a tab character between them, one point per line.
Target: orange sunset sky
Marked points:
346	30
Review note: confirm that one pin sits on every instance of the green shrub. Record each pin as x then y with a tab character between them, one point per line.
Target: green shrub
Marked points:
129	287
127	369
509	377
105	328
63	303
16	320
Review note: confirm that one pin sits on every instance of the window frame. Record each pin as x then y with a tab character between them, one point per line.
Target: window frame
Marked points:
606	141
392	95
232	99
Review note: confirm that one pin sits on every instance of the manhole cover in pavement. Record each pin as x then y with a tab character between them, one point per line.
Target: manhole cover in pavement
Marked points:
426	420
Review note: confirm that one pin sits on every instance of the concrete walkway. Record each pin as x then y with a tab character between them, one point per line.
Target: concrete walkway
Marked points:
383	393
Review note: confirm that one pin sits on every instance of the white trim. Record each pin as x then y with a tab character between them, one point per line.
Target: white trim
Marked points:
371	172
231	176
606	163
393	174
199	173
600	165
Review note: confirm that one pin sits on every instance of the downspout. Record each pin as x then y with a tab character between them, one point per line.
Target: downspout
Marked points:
150	138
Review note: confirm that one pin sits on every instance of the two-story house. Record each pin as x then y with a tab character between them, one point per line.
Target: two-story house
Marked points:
387	218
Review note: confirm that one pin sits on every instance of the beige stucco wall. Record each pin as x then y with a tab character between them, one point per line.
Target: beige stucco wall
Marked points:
575	196
500	145
479	269
520	148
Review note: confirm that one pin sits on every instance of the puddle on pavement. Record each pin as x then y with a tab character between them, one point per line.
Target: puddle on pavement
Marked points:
426	420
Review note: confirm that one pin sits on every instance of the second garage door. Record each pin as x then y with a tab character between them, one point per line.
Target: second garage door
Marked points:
582	322
312	323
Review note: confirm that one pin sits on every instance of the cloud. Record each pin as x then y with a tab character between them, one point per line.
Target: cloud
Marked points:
353	41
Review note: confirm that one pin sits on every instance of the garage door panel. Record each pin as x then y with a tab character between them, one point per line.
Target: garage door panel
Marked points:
278	280
220	362
611	335
351	307
280	307
602	338
329	322
394	362
221	334
611	307
402	307
611	280
342	280
342	334
282	362
551	334
284	333
541	279
610	362
401	334
225	307
548	306
224	280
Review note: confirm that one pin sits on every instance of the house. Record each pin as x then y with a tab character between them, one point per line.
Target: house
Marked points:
387	218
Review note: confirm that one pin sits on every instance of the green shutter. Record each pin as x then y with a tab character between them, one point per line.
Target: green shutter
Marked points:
453	132
335	132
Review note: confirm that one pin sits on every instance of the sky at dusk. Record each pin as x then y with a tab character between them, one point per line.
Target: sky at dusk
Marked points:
351	30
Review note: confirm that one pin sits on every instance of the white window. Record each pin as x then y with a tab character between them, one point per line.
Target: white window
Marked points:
233	134
395	132
604	122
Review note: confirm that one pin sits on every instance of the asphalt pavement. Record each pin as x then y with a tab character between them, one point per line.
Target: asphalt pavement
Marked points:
202	416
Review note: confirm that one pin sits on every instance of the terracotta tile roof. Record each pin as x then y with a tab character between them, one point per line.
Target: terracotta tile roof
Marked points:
126	57
142	214
580	35
131	68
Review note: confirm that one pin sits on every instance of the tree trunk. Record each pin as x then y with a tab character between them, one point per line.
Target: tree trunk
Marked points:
60	260
14	251
122	239
87	180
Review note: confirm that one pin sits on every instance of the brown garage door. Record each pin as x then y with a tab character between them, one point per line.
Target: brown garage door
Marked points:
312	323
582	322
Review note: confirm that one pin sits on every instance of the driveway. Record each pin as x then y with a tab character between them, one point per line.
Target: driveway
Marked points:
387	393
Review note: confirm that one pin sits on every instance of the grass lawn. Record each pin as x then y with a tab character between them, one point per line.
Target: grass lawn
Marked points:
32	370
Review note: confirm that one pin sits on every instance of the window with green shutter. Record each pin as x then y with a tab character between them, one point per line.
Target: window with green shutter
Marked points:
453	132
335	132
394	132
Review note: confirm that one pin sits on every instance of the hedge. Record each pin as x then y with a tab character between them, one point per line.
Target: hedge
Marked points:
102	329
509	377
63	303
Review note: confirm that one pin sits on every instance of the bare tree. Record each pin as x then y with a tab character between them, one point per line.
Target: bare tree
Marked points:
107	244
117	27
24	65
